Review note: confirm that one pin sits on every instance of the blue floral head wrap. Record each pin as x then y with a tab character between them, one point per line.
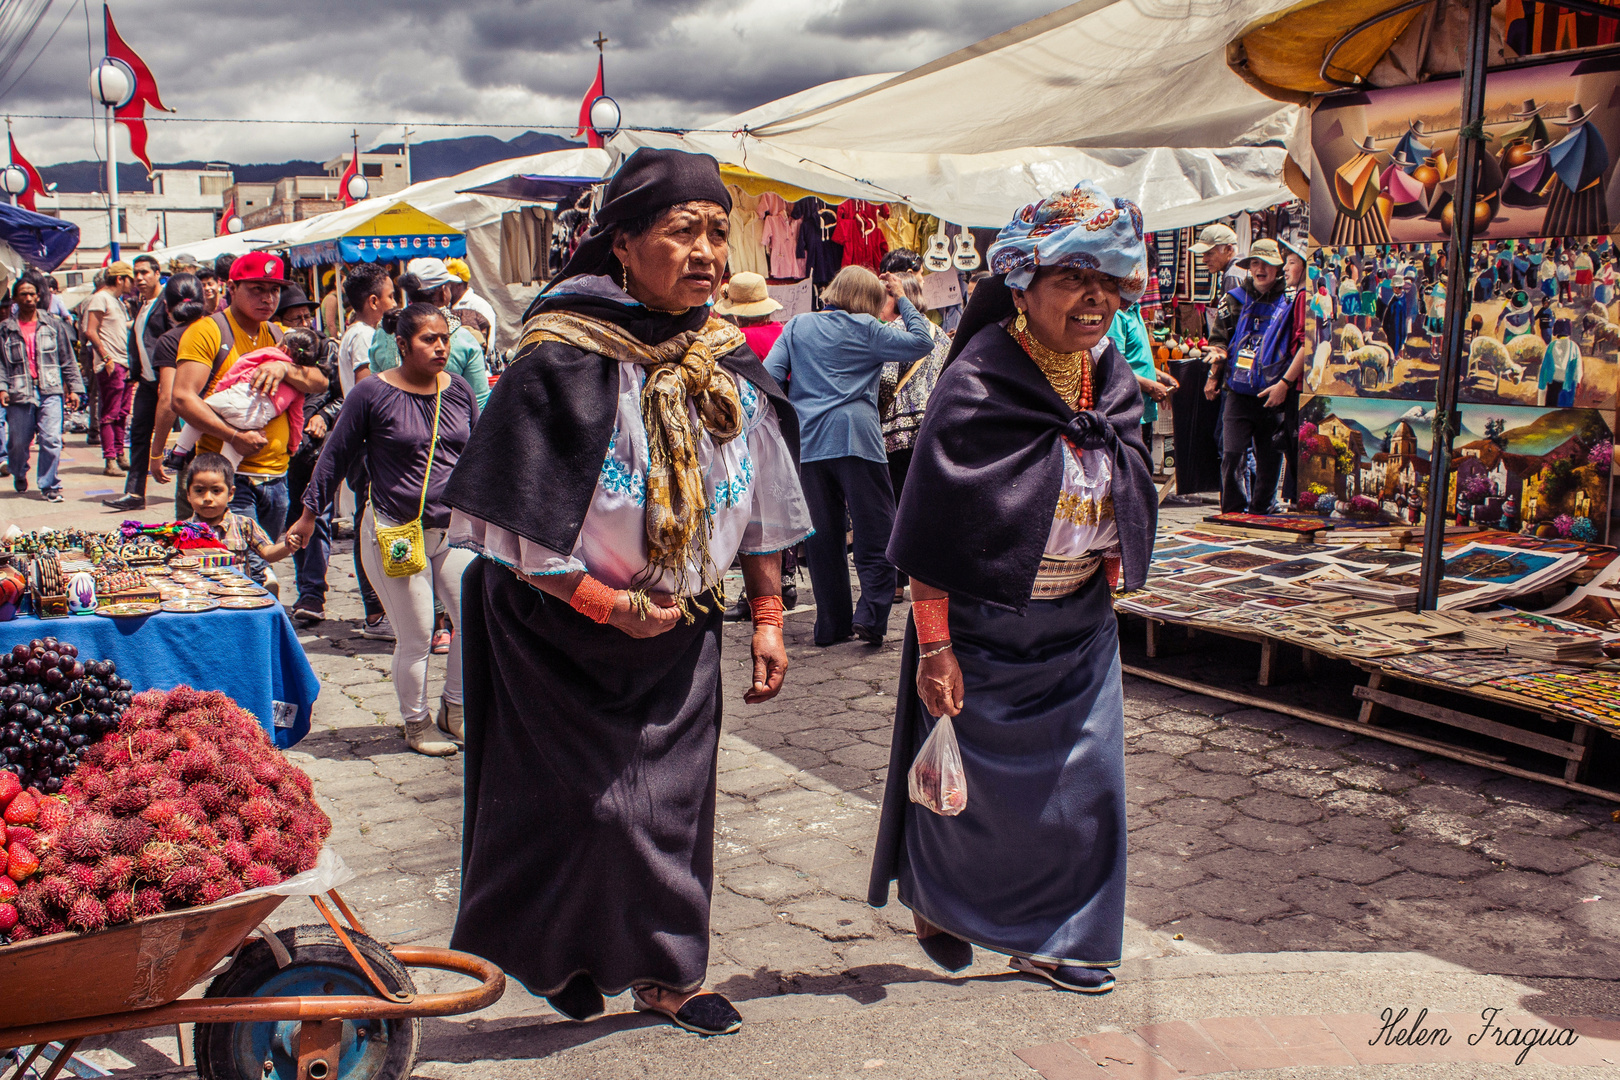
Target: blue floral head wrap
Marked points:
1082	227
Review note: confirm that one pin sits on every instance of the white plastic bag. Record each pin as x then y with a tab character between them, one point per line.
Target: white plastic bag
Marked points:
937	779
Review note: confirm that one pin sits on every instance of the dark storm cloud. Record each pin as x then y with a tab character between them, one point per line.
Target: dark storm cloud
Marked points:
669	63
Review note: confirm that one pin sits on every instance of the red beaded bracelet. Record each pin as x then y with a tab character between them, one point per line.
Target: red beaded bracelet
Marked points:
593	599
933	618
767	610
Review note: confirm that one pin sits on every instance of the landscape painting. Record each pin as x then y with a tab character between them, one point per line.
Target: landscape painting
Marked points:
1385	160
1544	472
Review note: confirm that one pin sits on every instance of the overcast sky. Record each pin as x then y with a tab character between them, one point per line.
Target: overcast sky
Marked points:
528	62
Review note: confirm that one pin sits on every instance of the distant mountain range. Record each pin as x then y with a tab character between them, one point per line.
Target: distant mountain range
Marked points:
429	161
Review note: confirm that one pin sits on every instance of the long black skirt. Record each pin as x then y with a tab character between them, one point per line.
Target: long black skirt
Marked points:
1035	865
589	825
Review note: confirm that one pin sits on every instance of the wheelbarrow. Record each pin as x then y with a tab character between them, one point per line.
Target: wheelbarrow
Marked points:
317	1002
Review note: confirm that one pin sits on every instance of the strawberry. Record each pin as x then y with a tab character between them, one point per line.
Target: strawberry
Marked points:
9	787
8	917
23	809
20	834
20	862
8	889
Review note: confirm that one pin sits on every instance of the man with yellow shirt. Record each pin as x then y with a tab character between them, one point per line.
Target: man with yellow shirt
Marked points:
207	350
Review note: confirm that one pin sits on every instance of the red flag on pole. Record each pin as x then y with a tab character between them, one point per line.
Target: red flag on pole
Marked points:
343	181
152	244
225	219
133	114
35	184
596	91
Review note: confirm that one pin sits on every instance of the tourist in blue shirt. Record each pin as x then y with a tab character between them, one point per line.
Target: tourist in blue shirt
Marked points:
831	361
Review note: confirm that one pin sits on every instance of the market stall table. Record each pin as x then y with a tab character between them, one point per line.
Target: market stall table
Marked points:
254	656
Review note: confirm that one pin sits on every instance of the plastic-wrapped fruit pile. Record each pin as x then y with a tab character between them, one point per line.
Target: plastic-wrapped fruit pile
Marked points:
186	803
52	706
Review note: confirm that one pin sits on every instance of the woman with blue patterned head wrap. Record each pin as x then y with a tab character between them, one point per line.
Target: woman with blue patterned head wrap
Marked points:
1029	495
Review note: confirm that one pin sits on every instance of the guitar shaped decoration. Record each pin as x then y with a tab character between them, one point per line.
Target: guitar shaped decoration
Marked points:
967	255
937	259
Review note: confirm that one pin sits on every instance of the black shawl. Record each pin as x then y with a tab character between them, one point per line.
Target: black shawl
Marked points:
987	468
536	453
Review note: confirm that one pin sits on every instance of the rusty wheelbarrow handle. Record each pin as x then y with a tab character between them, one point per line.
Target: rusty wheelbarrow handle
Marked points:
491	985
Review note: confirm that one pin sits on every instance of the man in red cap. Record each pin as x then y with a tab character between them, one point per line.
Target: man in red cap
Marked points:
207	350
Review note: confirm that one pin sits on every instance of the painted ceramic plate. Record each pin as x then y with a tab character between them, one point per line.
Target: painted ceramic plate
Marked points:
222	589
183	562
128	609
190	604
245	603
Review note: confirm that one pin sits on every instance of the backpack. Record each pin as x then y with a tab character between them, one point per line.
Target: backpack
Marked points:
1259	346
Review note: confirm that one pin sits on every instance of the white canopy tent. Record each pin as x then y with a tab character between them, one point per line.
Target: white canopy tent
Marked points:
1133	93
478	216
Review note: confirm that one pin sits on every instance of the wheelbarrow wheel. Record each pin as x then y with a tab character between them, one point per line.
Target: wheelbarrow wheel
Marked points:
321	966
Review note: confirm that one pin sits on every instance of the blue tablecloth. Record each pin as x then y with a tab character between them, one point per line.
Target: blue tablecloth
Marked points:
253	656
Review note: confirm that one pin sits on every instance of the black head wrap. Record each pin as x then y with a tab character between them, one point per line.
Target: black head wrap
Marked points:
649	181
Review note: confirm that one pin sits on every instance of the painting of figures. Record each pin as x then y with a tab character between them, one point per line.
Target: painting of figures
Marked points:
1385	160
1541	330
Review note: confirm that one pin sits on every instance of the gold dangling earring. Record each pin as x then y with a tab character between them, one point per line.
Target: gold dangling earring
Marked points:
624	278
1021	324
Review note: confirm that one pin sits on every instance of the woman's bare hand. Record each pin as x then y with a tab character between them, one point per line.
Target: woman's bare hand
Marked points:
770	664
939	683
661	615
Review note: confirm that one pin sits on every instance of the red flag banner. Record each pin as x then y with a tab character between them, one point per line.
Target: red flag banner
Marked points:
35	184
343	181
596	91
225	219
133	114
152	244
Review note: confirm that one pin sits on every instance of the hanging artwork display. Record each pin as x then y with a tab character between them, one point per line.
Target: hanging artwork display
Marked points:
1385	160
1541	330
1541	471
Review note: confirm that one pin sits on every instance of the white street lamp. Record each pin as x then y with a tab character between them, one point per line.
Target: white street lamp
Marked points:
113	84
14	181
605	117
357	187
233	224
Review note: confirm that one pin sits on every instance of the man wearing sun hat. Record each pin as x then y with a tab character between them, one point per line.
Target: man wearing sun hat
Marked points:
208	350
1264	359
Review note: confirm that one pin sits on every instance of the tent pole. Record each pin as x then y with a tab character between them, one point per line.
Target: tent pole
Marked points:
337	285
1447	418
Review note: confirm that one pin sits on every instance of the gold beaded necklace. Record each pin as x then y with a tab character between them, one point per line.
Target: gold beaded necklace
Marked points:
1069	373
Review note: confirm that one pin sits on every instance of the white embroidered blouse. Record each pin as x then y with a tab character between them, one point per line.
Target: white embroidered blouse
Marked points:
755	503
1084	520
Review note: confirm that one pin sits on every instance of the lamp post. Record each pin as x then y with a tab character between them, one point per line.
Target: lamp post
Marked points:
113	84
605	117
14	181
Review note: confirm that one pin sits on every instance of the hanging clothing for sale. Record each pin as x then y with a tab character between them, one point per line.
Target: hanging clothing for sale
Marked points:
780	232
526	245
857	230
747	246
823	255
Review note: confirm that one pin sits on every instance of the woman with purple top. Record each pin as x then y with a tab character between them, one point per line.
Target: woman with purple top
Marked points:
387	426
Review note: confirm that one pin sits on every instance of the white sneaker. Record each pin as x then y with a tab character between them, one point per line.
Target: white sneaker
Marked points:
381	630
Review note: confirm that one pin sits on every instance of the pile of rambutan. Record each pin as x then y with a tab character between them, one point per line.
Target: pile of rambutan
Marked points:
186	803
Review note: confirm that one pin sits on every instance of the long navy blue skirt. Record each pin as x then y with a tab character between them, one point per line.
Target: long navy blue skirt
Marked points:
1035	866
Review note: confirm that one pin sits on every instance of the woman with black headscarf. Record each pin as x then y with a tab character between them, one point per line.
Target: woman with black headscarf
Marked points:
1029	489
633	449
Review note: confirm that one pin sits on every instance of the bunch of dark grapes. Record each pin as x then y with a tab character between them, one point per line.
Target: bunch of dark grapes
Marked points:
52	706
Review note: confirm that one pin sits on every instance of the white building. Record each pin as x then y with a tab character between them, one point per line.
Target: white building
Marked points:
183	207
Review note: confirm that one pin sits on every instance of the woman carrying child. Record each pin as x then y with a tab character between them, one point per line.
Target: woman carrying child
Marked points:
407	427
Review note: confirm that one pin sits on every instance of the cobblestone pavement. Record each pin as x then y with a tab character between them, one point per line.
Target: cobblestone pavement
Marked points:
1250	832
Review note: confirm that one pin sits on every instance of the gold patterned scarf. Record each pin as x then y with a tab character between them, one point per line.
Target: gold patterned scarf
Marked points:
683	369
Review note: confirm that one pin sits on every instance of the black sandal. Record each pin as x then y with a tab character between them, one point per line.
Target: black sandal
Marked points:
705	1014
579	1000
